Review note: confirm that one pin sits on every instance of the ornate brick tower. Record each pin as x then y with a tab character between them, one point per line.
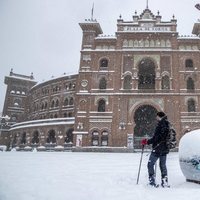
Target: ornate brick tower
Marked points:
16	101
18	87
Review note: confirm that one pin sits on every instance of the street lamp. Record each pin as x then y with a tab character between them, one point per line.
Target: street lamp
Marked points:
3	118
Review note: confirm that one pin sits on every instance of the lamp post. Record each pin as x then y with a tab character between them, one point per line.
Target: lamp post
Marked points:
197	6
196	28
3	118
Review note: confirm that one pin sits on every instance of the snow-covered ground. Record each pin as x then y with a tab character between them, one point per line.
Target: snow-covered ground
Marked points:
87	176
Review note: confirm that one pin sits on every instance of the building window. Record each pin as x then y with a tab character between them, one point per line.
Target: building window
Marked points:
51	136
127	82
66	102
23	139
191	105
146	74
57	103
45	105
69	136
189	63
14	142
104	138
190	84
52	104
42	107
165	82
95	138
35	139
82	106
17	102
70	86
71	101
70	114
101	105
103	63
102	83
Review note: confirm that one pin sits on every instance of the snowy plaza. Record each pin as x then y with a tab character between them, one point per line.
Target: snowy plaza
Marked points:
96	176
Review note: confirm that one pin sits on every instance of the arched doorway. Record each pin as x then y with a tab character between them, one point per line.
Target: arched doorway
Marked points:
51	137
69	136
145	123
146	74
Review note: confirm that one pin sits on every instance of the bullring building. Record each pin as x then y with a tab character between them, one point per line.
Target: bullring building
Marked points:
123	80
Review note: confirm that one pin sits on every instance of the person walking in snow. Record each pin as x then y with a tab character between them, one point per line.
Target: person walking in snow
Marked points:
159	150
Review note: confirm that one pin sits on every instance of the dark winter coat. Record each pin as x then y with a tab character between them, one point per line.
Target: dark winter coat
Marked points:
158	140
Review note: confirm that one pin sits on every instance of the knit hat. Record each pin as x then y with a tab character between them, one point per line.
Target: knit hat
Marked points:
161	114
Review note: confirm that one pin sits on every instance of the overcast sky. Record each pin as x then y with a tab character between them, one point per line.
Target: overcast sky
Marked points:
43	36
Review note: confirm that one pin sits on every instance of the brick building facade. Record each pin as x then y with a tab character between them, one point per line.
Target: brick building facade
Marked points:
123	81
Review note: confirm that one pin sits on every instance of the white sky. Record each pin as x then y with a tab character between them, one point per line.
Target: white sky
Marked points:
43	36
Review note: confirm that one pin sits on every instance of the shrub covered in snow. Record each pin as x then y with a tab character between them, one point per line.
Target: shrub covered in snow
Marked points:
3	147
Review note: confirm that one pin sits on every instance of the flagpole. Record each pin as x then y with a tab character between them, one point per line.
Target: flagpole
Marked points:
92	12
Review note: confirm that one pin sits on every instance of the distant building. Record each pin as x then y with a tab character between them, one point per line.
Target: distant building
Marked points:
123	81
41	114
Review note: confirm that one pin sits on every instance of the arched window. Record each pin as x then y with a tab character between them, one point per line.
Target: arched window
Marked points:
35	139
14	140
191	105
103	63
146	43
66	102
51	136
52	104
101	105
135	43
82	106
55	116
102	83
57	103
69	136
70	86
189	63
146	74
23	139
42	106
190	84
95	138
165	83
70	114
65	115
127	82
125	43
17	103
71	101
104	138
45	105
152	43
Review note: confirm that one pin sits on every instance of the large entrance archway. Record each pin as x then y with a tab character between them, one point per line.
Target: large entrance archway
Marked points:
145	123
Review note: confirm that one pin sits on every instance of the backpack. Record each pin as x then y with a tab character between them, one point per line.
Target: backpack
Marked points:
171	138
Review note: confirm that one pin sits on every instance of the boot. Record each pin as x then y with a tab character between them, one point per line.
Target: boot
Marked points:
152	181
164	182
